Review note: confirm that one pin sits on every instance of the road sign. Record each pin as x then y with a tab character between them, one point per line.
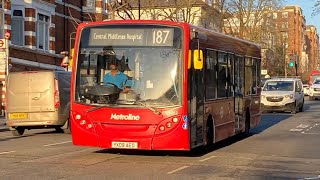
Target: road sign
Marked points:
2	43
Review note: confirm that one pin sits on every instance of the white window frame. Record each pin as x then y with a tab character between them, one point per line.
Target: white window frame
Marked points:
2	20
20	8
37	30
180	15
285	15
1	24
92	2
274	15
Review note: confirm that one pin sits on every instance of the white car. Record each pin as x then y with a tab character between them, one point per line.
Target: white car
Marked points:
282	94
306	89
314	91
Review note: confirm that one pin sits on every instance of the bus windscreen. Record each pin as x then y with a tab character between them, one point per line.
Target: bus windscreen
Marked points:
150	58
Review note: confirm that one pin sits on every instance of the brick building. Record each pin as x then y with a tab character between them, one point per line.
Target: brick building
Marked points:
312	41
293	25
41	29
286	30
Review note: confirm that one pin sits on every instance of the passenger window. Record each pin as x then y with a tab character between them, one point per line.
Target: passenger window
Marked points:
248	76
222	75
210	75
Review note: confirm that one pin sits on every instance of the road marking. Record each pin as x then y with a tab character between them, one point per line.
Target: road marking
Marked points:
306	131
7	152
57	143
310	133
178	169
303	126
294	129
202	160
315	178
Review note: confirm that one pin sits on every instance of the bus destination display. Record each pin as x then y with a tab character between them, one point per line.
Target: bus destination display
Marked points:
130	37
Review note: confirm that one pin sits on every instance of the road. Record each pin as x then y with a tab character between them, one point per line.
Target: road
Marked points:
283	146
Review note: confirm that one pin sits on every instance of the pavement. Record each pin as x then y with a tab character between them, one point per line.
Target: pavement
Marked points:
3	126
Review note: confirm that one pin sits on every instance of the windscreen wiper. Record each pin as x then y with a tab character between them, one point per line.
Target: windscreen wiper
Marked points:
154	110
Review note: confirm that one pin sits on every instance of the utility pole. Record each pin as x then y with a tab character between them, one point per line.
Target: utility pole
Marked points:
284	58
139	7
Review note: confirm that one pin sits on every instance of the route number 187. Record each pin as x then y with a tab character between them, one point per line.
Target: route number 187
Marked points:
160	36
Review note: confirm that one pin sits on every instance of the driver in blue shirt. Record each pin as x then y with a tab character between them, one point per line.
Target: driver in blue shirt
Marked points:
115	77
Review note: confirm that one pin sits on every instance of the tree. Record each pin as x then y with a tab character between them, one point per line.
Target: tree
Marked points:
246	18
316	9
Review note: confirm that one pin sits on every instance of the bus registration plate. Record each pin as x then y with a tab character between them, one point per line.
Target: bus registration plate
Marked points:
124	145
18	115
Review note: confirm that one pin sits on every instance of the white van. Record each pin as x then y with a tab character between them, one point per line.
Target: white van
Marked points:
37	99
282	94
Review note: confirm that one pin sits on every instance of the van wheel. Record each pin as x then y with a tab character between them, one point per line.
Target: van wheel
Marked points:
301	108
59	130
18	131
294	109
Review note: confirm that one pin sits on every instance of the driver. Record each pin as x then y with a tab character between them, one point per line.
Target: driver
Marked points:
115	77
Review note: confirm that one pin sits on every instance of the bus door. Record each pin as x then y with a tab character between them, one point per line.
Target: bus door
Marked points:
238	96
195	104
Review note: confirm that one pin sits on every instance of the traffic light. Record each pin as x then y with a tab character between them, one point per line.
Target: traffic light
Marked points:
291	64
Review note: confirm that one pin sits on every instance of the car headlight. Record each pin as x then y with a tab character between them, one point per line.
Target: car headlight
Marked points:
289	96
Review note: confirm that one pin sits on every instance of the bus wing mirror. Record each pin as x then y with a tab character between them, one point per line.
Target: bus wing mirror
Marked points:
197	59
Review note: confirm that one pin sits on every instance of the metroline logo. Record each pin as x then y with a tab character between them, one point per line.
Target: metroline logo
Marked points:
128	117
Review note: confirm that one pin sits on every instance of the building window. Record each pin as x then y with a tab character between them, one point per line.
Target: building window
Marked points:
284	35
274	15
284	25
43	31
17	27
90	4
285	15
180	16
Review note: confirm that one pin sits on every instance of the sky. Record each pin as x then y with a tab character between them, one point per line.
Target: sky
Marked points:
307	9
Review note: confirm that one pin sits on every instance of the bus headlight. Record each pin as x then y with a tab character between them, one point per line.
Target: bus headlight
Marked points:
78	116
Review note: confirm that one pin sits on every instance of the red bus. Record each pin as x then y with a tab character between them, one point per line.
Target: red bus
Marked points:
314	74
189	86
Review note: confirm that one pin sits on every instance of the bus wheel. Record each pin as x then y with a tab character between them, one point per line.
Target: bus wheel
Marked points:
18	131
209	132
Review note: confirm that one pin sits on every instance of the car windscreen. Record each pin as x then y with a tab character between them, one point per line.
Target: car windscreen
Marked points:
278	86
